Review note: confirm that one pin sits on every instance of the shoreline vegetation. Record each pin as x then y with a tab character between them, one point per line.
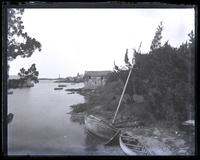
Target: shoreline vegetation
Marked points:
18	83
158	100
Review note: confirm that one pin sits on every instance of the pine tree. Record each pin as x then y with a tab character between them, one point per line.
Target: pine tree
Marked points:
157	38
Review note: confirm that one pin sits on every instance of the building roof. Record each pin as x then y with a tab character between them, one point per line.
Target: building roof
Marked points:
96	73
14	77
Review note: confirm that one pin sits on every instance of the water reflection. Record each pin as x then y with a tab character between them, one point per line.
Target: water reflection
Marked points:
40	122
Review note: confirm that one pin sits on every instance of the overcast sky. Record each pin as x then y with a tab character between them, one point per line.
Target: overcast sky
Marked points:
76	40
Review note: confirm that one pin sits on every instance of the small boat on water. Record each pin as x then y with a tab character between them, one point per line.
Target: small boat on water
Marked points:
58	88
62	85
59	85
131	145
101	128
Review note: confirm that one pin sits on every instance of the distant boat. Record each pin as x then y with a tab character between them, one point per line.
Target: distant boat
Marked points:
10	117
62	85
58	88
131	145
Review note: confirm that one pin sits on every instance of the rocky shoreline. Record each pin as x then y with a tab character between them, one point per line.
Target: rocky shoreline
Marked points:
81	91
160	139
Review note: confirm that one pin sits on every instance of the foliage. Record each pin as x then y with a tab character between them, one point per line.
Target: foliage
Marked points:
79	107
126	59
156	40
31	74
19	42
107	96
14	83
165	78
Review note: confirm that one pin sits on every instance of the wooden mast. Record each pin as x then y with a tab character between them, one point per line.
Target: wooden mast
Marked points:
122	95
131	68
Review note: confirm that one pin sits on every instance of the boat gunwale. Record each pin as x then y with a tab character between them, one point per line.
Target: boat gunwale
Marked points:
130	151
103	123
100	120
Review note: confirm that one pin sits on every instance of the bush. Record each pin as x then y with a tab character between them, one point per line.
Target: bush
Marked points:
79	107
107	96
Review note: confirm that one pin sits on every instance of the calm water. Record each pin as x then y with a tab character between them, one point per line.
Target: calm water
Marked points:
41	126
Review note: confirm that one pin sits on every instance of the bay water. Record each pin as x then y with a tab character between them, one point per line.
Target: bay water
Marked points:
41	125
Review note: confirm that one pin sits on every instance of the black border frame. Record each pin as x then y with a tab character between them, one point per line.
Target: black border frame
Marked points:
107	4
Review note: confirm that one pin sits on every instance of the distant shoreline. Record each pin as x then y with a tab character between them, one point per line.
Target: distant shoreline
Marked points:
47	78
61	80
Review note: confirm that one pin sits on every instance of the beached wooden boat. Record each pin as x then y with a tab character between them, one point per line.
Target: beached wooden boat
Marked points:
131	145
101	128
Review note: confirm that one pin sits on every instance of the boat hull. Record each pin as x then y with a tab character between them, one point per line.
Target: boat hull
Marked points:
131	148
101	128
